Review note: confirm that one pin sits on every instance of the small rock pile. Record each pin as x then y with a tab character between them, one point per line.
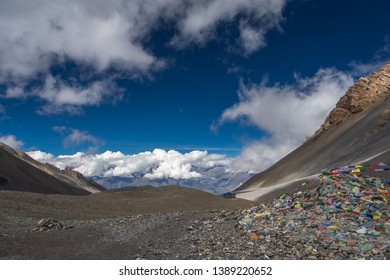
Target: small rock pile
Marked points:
49	224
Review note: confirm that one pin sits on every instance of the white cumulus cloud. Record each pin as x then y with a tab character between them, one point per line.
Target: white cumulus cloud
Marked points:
11	141
286	113
252	39
99	33
159	164
41	156
62	97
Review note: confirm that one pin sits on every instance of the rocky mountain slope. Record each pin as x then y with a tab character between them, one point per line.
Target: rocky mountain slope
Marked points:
365	93
20	172
357	130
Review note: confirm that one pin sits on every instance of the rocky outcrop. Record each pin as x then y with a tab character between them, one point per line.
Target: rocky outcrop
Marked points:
80	180
73	172
366	92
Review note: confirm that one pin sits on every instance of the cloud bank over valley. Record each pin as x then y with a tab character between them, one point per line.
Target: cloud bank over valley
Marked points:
211	172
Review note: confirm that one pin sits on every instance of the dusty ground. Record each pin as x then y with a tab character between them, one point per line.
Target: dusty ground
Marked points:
151	223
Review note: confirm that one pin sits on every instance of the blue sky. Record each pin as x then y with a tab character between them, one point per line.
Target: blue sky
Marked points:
248	79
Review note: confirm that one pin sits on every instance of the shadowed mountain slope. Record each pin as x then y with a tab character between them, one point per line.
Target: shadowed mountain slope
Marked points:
19	172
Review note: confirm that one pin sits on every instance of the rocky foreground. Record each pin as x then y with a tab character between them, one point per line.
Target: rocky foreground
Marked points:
346	217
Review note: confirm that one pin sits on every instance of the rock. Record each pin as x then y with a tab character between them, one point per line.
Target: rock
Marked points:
366	92
261	236
362	230
270	254
73	172
190	228
254	236
375	251
346	249
41	223
48	224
